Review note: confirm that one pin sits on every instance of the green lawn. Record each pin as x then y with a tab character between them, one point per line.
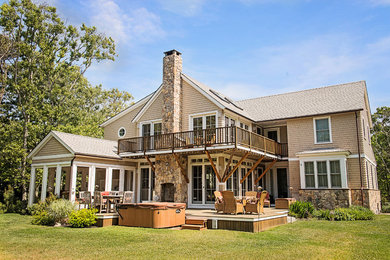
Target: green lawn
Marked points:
301	240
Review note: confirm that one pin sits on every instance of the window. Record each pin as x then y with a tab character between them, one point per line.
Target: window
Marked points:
322	130
210	122
146	130
309	175
322	174
335	174
121	132
157	128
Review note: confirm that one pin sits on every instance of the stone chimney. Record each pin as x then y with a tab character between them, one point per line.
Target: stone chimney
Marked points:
172	92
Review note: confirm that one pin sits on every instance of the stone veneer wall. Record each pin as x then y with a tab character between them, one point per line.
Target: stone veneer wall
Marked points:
167	171
326	199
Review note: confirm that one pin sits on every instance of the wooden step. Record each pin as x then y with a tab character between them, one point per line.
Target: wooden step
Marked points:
193	227
196	221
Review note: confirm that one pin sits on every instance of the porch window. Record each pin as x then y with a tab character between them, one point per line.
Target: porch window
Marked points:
157	129
335	174
322	130
210	122
146	130
309	174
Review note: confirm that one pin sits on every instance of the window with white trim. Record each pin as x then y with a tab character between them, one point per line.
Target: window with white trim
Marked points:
121	132
322	130
323	174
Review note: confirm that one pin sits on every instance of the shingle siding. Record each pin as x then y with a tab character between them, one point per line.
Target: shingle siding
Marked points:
52	147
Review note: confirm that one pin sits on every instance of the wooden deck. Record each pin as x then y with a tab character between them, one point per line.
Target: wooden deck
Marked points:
241	222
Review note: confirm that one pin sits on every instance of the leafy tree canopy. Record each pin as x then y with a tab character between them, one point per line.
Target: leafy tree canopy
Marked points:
43	88
381	145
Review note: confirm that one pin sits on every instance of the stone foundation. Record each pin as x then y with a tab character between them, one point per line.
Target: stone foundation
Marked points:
326	199
167	171
371	198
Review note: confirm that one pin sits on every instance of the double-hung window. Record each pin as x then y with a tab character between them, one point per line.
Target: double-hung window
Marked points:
322	174
322	130
335	173
309	175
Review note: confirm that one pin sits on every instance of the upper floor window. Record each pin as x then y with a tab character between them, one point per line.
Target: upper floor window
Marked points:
121	132
157	129
204	121
322	130
149	128
245	126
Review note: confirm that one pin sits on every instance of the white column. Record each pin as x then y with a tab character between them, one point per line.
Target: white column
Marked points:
108	179
31	194
58	181
121	179
73	179
44	183
91	178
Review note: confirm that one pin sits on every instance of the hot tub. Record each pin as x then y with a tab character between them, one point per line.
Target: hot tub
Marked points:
153	215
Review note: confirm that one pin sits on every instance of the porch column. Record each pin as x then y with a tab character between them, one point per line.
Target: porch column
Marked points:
73	179
108	179
121	179
58	181
32	187
91	178
44	182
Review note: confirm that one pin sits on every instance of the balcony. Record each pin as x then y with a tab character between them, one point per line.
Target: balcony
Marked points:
206	139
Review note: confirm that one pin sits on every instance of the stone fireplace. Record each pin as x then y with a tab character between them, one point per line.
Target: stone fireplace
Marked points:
167	192
169	179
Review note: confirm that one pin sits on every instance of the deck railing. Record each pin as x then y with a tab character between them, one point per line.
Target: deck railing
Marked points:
221	136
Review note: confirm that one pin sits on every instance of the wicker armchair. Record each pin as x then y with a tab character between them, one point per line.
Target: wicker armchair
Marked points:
85	198
219	204
98	202
256	205
231	205
128	197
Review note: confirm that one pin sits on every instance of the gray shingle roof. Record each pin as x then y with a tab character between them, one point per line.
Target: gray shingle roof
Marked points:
317	101
220	98
89	145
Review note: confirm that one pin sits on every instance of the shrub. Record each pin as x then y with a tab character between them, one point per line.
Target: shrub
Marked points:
82	218
60	210
2	208
43	218
345	214
386	208
324	214
301	209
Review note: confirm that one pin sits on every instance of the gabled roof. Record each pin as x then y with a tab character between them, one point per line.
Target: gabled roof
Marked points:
317	101
81	145
127	110
149	102
219	99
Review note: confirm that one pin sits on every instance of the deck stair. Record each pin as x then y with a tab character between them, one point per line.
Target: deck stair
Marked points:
194	223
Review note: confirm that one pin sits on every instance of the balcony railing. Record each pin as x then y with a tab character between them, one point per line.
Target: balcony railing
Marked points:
221	136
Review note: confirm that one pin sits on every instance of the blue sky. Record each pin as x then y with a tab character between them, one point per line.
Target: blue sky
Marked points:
243	48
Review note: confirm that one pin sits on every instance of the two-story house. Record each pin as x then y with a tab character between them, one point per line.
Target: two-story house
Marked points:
186	140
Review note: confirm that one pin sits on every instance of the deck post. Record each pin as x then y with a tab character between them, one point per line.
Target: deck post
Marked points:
121	179
91	178
73	179
57	189
44	182
31	194
108	179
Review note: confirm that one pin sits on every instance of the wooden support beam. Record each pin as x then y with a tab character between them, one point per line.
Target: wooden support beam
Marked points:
182	170
251	170
235	167
227	166
266	170
213	166
150	163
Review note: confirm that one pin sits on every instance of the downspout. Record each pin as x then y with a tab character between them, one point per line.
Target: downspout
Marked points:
360	159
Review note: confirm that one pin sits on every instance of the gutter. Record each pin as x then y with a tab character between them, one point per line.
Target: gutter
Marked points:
360	159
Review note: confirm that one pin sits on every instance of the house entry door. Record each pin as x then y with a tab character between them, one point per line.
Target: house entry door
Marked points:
282	182
203	185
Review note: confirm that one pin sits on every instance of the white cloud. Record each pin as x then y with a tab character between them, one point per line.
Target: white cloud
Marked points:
183	7
136	25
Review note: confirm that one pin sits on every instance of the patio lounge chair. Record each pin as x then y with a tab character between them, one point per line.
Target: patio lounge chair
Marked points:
219	204
98	202
256	205
128	197
85	198
231	205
